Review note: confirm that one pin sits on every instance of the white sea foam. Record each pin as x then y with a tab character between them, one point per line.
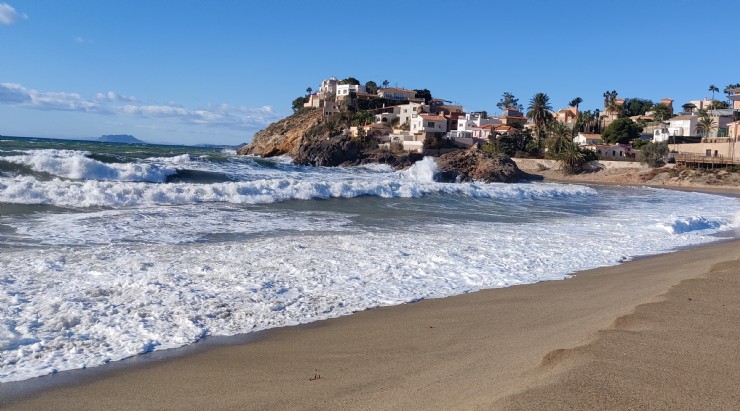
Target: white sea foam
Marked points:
115	298
165	264
92	193
76	165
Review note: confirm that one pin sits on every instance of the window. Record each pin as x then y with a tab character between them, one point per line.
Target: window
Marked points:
709	153
430	124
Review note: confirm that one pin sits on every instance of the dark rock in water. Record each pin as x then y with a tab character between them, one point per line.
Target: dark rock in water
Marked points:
476	165
396	161
328	152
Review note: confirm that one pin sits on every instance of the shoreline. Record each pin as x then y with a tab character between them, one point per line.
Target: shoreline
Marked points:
286	359
616	173
20	392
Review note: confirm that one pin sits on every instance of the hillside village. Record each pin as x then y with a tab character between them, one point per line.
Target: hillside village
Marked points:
398	119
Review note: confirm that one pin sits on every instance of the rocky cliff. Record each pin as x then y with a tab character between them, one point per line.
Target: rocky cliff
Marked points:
284	137
477	165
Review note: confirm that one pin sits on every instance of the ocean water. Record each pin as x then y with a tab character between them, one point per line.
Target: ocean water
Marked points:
109	251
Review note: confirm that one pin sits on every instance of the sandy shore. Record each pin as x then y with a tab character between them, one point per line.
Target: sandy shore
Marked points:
637	174
654	333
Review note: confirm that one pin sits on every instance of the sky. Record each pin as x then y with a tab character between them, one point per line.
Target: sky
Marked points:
215	72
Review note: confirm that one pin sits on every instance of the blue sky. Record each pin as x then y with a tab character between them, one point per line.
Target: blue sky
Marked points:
216	72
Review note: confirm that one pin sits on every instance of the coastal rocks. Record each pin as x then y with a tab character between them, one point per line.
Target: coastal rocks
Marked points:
328	152
476	165
397	161
283	137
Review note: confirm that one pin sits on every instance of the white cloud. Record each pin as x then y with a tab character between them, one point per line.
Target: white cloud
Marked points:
8	15
112	103
82	40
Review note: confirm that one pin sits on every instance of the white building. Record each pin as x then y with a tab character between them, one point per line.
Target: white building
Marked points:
343	90
683	125
428	123
405	111
328	88
661	134
583	139
474	120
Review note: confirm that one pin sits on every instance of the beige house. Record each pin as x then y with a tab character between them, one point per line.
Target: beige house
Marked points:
428	123
567	115
614	151
392	93
722	147
735	97
733	129
511	116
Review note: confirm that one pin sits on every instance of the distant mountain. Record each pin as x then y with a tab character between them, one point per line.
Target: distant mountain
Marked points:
121	138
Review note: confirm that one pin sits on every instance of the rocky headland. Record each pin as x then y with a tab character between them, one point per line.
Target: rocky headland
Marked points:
313	140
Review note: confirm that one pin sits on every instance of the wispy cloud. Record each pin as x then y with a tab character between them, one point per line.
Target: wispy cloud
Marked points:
8	15
112	103
83	40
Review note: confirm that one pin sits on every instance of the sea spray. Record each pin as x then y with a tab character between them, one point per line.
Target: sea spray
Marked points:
239	243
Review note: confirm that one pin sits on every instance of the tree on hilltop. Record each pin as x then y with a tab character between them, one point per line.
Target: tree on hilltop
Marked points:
713	89
508	101
575	102
425	94
539	111
385	83
298	103
309	90
610	101
372	87
637	106
621	131
661	112
351	81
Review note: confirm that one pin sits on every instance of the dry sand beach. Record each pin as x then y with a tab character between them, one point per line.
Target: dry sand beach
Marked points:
654	333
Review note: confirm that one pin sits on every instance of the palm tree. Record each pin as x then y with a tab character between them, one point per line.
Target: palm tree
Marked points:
385	83
575	102
309	90
560	137
539	112
560	146
706	124
713	88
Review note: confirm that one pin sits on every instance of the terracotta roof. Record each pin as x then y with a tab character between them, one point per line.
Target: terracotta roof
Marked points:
591	136
433	117
683	117
396	89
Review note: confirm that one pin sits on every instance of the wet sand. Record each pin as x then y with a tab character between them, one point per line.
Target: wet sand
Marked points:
655	333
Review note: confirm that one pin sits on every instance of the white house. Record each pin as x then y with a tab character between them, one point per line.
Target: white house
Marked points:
405	111
428	123
683	125
385	118
474	120
583	139
328	88
613	151
661	134
343	90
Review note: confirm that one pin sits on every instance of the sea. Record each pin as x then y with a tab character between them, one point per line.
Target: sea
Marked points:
109	251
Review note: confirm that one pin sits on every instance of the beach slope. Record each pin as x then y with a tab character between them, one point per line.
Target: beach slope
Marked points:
654	333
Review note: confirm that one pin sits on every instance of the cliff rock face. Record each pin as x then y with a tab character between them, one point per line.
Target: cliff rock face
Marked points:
284	136
475	165
328	151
